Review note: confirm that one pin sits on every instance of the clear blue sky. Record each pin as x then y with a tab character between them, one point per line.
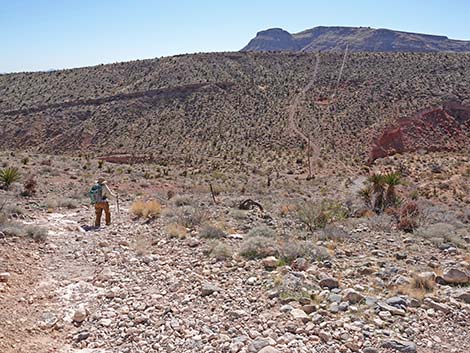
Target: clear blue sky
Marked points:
53	34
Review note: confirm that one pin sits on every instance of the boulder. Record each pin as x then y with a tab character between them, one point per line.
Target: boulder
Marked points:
299	314
400	346
352	296
329	282
208	289
270	262
456	276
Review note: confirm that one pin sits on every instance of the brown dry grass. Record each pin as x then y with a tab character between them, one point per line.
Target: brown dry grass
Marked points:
148	209
417	288
175	230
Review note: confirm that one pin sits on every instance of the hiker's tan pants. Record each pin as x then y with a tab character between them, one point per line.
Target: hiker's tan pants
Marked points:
99	208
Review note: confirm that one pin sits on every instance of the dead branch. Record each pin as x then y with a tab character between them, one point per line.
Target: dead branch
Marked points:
249	204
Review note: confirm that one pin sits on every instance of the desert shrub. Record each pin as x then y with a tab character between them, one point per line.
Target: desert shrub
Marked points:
100	164
147	209
291	250
317	216
8	176
30	186
441	233
13	210
175	230
257	247
262	231
191	217
410	209
212	232
219	250
68	203
13	230
238	214
407	224
426	284
331	232
182	200
36	232
25	160
51	204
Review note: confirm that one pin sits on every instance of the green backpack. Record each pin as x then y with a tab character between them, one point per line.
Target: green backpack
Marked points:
96	193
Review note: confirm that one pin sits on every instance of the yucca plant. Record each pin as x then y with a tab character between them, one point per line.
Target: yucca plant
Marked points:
8	176
366	195
378	188
391	180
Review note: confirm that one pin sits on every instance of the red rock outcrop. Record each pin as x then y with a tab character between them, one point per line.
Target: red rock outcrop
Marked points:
445	128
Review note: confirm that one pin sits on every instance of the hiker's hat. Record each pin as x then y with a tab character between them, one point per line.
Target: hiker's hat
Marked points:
101	180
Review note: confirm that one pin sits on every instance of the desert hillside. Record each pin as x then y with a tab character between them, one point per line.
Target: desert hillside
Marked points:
360	39
232	109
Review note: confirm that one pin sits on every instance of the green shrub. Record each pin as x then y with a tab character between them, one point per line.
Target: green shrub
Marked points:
8	176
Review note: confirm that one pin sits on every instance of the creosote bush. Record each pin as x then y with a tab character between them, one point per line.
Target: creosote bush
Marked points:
147	209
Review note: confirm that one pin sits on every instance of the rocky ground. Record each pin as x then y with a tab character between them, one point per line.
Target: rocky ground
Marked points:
171	284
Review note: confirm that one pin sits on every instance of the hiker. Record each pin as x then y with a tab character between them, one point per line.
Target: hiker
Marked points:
99	195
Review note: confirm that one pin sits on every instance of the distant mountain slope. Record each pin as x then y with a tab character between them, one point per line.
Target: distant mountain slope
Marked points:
357	38
221	110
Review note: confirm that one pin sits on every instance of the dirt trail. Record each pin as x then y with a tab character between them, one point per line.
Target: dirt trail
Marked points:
35	316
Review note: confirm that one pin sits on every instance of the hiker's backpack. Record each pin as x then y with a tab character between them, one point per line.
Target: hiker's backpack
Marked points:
96	193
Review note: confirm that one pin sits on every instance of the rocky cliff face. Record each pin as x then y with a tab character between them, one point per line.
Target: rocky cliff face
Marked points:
356	38
445	128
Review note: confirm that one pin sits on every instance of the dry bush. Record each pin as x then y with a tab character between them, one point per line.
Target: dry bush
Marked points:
191	217
141	245
418	287
258	247
13	210
261	231
331	232
182	200
147	209
287	209
238	214
175	230
68	203
30	186
219	250
212	232
36	232
13	230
